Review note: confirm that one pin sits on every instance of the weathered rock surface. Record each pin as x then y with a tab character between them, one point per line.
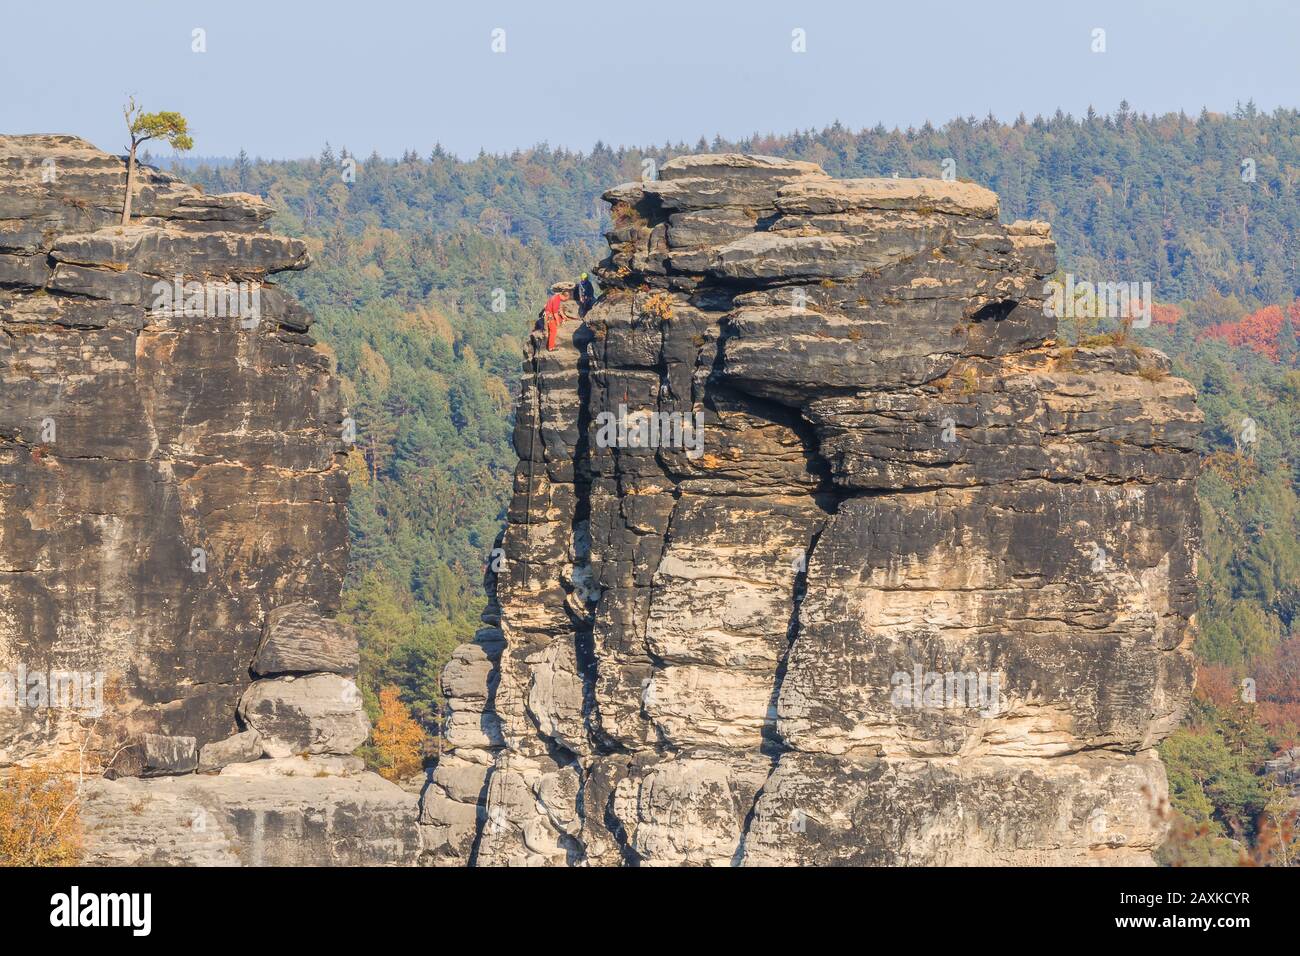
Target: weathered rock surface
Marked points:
173	509
161	756
317	714
921	595
167	479
237	748
298	639
237	820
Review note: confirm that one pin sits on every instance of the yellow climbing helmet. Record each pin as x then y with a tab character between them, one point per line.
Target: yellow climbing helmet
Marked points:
584	275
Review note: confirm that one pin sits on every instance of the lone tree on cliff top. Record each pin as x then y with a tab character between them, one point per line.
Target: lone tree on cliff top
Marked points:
143	127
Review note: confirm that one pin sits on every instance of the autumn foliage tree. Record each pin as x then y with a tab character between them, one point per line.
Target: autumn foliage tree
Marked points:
1163	314
398	739
39	823
1261	331
1279	692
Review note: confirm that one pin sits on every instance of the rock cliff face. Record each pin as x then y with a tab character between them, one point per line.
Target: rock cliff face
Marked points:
172	524
822	550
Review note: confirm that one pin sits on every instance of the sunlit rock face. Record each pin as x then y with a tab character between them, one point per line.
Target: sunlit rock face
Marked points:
172	505
823	551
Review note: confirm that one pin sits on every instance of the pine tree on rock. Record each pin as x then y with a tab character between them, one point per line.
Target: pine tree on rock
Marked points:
142	127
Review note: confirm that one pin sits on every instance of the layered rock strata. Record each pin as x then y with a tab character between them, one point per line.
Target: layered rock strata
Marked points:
173	524
822	550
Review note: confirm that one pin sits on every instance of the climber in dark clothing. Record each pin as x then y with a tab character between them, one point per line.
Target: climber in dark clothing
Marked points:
584	295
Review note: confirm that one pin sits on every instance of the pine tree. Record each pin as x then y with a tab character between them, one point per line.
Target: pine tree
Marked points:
1286	344
243	169
142	127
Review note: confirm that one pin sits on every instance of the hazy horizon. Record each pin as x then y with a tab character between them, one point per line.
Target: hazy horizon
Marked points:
389	77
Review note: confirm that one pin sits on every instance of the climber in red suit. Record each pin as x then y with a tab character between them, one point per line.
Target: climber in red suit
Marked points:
554	316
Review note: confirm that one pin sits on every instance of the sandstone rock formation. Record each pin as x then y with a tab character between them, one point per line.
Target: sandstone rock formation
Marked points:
172	505
822	550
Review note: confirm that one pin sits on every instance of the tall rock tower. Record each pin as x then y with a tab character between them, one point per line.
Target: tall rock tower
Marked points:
823	550
173	533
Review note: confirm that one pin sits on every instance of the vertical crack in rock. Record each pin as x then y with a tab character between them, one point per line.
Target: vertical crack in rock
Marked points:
989	627
773	745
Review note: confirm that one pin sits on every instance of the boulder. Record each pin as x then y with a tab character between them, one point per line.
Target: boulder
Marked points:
238	748
162	755
317	714
303	765
299	639
853	195
233	820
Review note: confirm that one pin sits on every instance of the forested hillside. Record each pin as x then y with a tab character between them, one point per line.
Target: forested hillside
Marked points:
429	270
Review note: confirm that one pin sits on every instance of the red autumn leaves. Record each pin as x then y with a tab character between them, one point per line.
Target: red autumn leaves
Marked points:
1258	331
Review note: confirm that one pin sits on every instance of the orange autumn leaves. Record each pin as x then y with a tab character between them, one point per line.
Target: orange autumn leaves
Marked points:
398	740
1274	689
1258	331
39	823
1165	314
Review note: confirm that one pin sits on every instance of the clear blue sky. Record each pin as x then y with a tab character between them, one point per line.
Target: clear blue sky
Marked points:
282	77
